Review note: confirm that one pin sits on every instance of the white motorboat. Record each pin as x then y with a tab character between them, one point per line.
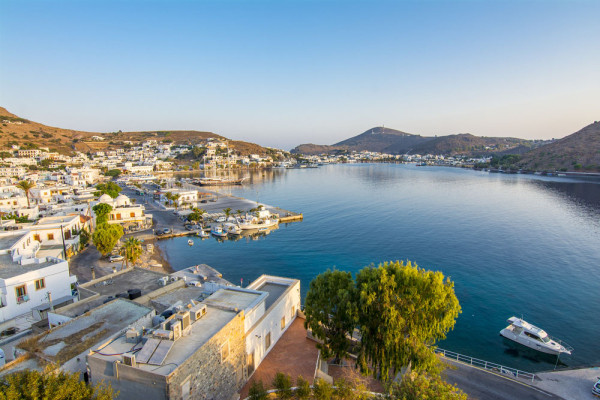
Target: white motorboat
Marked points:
232	229
202	233
533	337
218	230
260	219
190	242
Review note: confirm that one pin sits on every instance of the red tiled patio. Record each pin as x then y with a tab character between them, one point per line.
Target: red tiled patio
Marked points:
294	354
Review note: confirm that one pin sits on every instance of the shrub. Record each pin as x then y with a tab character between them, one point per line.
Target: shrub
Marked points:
257	391
322	390
302	388
283	384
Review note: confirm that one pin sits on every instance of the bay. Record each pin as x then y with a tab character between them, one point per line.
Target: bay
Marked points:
519	245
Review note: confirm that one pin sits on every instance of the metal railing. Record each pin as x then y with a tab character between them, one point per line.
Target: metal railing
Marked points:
487	365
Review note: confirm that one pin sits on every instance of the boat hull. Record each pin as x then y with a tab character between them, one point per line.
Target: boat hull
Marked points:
508	334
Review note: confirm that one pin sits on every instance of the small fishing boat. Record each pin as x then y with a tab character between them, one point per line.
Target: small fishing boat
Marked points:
202	233
529	335
218	230
190	242
232	229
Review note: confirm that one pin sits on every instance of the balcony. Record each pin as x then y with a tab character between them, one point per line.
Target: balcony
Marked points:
22	299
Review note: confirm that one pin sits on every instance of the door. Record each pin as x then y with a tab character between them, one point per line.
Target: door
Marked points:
250	363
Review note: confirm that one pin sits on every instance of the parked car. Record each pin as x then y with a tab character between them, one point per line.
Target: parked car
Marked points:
596	388
166	231
221	219
115	258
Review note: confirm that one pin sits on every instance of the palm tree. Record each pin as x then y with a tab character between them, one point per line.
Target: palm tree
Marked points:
227	212
239	212
132	250
26	186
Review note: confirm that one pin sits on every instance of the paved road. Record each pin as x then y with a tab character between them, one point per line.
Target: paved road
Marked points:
482	385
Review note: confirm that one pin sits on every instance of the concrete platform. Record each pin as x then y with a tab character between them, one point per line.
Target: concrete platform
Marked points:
575	384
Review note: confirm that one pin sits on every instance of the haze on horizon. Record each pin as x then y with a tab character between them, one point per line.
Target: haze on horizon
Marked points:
282	73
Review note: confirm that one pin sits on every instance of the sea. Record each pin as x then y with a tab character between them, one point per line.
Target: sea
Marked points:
514	245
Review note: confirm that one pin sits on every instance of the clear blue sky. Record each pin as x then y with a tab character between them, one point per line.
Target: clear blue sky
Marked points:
281	73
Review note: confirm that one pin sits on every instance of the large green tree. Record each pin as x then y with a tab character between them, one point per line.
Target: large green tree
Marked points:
102	210
331	312
110	188
33	385
402	311
132	250
26	186
106	236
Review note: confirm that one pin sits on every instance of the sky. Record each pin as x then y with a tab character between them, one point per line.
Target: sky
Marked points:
281	73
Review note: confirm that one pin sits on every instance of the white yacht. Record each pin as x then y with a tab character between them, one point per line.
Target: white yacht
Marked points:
218	230
533	337
260	219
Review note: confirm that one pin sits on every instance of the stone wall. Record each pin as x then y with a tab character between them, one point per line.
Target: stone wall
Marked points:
206	376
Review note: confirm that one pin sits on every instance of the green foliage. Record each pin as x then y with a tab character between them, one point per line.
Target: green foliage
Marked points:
106	237
343	390
110	188
331	312
227	211
26	186
198	152
84	238
113	173
506	161
425	387
195	216
577	166
132	250
322	390
5	154
402	310
20	220
283	384
33	385
302	388
102	210
257	391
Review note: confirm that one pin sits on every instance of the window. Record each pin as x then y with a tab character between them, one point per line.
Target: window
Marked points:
132	215
293	313
21	292
119	216
51	236
224	351
40	284
283	323
36	237
267	340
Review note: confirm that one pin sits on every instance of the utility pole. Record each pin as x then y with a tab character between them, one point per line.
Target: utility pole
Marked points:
50	301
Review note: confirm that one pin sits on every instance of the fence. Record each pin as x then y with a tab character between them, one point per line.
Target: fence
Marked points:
513	372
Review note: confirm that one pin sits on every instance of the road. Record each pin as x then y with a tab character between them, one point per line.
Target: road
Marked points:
484	385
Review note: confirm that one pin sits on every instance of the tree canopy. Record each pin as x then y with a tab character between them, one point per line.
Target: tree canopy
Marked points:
331	312
106	237
110	188
402	311
102	210
132	250
424	387
32	384
26	186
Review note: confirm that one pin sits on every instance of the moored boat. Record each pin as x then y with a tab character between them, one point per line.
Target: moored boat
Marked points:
218	230
190	242
529	335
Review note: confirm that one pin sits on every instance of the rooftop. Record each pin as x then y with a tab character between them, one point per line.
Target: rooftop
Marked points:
201	332
234	298
10	269
74	337
275	291
7	241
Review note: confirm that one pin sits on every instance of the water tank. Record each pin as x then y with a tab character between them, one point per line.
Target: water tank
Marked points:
134	293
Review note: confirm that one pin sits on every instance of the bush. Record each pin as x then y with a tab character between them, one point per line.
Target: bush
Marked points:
257	391
322	390
302	388
283	384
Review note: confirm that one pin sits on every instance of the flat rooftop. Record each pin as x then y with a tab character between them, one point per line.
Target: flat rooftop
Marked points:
94	294
185	295
10	269
275	291
7	241
201	332
233	298
74	337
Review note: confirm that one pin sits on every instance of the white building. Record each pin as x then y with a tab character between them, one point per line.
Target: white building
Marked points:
26	280
18	172
131	216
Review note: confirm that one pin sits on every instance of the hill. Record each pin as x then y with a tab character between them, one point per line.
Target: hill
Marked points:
29	134
386	140
579	151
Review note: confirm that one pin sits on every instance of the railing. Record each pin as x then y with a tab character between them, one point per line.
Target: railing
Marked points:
487	365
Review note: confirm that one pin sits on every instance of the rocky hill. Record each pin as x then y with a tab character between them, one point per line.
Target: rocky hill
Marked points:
579	151
386	140
29	134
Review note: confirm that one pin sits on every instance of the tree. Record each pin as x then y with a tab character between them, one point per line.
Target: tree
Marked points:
283	384
102	210
113	172
26	186
331	312
227	212
239	212
322	390
110	188
32	384
424	387
402	311
257	391
106	237
84	238
132	250
302	388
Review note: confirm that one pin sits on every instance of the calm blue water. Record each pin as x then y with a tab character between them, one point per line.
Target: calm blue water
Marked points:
513	245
